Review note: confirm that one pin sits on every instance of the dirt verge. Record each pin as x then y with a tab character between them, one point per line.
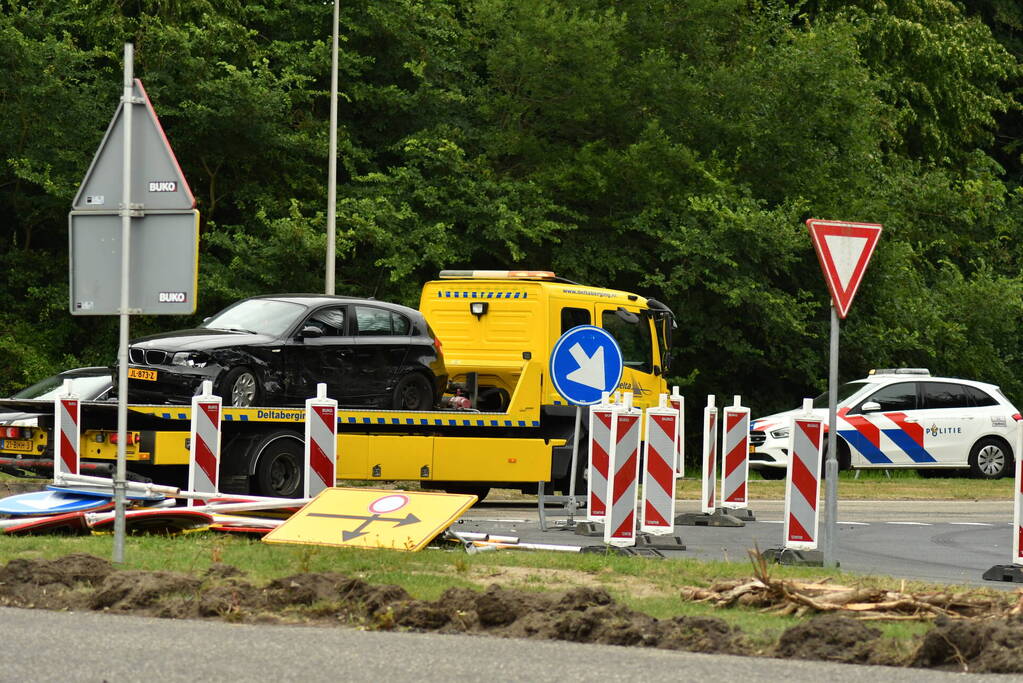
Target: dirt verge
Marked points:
582	614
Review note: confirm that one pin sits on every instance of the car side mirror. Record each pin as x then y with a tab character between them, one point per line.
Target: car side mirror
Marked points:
870	407
309	331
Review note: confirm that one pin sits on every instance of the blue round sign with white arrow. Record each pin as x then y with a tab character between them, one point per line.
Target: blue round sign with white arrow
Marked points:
585	362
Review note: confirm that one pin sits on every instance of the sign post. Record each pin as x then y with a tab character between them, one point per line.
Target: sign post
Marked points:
586	362
844	251
133	172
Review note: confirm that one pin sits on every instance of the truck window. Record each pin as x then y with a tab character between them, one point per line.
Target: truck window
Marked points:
573	317
633	338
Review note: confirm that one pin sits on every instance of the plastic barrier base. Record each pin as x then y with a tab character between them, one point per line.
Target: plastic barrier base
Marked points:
589	529
1008	573
745	514
797	558
704	519
644	540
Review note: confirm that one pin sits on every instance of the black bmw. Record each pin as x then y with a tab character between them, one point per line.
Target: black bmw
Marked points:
273	350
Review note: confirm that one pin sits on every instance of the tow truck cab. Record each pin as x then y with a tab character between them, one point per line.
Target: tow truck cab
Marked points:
491	322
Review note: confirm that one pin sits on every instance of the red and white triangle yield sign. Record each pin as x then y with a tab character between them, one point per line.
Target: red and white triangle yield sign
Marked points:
844	250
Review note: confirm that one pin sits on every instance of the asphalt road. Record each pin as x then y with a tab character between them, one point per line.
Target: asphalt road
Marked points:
69	647
941	541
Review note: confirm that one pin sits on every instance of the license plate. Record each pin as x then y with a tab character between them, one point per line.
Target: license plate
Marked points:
752	448
140	373
19	445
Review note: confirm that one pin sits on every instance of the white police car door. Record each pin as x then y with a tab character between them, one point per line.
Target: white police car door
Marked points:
949	422
887	434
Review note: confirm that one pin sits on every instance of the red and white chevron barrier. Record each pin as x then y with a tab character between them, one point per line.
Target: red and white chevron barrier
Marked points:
659	456
710	456
802	490
204	464
678	402
599	447
68	430
623	468
320	442
735	458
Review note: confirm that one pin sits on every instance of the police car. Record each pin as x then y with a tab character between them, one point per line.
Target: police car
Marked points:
905	418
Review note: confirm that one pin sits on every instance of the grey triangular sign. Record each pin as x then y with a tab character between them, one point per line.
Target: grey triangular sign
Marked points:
156	179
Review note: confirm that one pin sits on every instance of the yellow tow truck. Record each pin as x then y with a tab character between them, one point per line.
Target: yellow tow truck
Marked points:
502	422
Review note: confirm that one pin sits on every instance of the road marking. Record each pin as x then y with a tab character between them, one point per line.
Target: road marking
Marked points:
971	523
911	523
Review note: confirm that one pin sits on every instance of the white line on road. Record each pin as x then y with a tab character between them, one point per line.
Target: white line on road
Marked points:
911	523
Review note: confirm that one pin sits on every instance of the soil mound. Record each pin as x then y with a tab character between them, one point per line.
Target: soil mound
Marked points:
975	646
831	637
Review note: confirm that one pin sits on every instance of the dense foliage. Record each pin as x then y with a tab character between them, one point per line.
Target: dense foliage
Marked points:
669	147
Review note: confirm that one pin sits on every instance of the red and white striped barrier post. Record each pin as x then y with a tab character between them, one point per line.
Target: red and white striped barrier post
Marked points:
735	460
320	442
1013	572
600	445
710	456
659	458
623	469
678	402
802	492
67	429
204	463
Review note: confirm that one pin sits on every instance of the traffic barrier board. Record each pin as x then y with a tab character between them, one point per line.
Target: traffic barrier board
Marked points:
710	456
68	429
735	456
601	416
204	463
320	442
623	472
372	518
678	402
658	503
802	490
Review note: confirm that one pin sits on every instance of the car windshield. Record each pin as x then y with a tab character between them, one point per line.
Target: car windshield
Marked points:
259	316
86	388
845	391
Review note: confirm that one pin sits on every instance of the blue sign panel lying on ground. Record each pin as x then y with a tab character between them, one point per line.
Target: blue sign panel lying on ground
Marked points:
585	362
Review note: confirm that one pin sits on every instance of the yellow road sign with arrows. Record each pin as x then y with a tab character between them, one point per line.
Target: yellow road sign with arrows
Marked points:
372	518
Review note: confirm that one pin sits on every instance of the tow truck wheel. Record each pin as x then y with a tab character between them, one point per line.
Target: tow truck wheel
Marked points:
279	466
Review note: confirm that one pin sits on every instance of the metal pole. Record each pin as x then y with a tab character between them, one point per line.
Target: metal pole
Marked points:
575	464
122	351
332	161
831	464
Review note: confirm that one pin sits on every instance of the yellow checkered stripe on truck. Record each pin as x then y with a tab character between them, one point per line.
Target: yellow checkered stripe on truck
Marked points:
348	417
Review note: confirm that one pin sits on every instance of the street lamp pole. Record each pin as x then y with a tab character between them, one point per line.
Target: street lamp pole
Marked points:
332	162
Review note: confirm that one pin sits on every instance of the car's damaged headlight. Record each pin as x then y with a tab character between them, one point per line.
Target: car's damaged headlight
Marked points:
190	359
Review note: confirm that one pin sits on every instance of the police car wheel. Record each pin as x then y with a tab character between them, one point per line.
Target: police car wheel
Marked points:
990	459
773	473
